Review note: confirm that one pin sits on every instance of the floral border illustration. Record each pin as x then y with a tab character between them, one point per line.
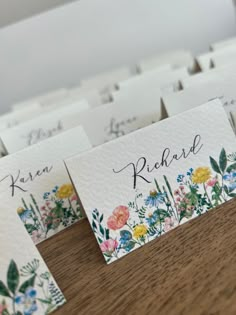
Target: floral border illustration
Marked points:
148	217
26	292
60	209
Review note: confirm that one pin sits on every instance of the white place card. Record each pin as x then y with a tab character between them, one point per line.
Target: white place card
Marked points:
36	187
42	127
224	43
156	178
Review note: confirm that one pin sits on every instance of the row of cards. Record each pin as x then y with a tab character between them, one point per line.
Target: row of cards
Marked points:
156	174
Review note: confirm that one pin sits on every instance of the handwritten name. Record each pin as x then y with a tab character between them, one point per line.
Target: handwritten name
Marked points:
167	158
18	181
36	135
116	128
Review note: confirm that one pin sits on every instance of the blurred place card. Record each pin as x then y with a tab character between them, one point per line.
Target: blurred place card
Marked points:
212	75
224	90
52	96
116	119
225	55
26	285
42	127
35	185
224	43
105	82
177	59
157	178
163	80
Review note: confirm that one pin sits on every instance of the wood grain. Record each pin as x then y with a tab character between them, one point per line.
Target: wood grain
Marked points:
190	270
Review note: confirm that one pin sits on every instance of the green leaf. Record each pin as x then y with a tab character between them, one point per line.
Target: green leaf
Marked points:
223	160
168	186
157	186
101	229
5	312
101	218
99	240
27	284
19	313
13	277
226	189
107	234
232	195
44	301
214	165
3	290
94	226
231	168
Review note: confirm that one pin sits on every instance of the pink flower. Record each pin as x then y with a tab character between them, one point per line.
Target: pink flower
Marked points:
169	224
178	199
109	246
211	182
74	198
37	237
3	307
118	218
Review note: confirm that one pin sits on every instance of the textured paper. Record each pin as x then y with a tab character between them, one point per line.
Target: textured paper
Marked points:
224	90
26	285
224	43
219	60
42	127
177	59
35	184
156	178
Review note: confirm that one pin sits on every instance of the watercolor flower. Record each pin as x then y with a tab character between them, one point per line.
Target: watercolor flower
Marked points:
37	236
201	175
65	191
3	308
24	214
109	246
211	182
154	199
118	218
140	230
231	179
152	218
28	300
169	224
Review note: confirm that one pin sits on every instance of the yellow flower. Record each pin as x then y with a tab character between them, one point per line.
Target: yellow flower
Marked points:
140	230
201	175
20	210
65	191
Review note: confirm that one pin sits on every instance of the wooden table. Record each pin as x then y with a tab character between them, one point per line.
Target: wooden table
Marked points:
190	270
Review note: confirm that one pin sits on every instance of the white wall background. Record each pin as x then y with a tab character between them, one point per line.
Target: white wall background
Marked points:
58	48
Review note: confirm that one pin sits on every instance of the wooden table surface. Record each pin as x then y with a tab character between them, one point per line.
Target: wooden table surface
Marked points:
190	270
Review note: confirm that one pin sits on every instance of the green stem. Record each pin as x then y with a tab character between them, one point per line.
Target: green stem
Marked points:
209	200
72	209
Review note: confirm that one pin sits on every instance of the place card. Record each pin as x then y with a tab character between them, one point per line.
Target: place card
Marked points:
219	60
26	285
162	79
156	178
224	43
35	184
42	127
105	82
177	58
224	89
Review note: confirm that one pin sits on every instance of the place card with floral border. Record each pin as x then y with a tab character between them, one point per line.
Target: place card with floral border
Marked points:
42	127
35	185
138	187
26	285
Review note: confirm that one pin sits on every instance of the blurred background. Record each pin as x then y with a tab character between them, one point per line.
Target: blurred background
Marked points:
46	45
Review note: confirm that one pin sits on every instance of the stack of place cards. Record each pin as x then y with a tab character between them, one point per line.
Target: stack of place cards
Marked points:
156	178
35	185
42	127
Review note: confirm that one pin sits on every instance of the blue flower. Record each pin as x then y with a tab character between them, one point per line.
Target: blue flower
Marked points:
154	199
46	194
126	236
24	214
55	189
28	300
231	178
152	219
180	178
190	171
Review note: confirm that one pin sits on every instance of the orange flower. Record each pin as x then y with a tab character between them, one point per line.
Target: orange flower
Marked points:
118	218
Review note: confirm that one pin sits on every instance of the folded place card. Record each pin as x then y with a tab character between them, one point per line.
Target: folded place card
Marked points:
164	80
224	43
156	178
26	285
219	60
178	58
196	95
42	127
35	184
213	74
105	82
